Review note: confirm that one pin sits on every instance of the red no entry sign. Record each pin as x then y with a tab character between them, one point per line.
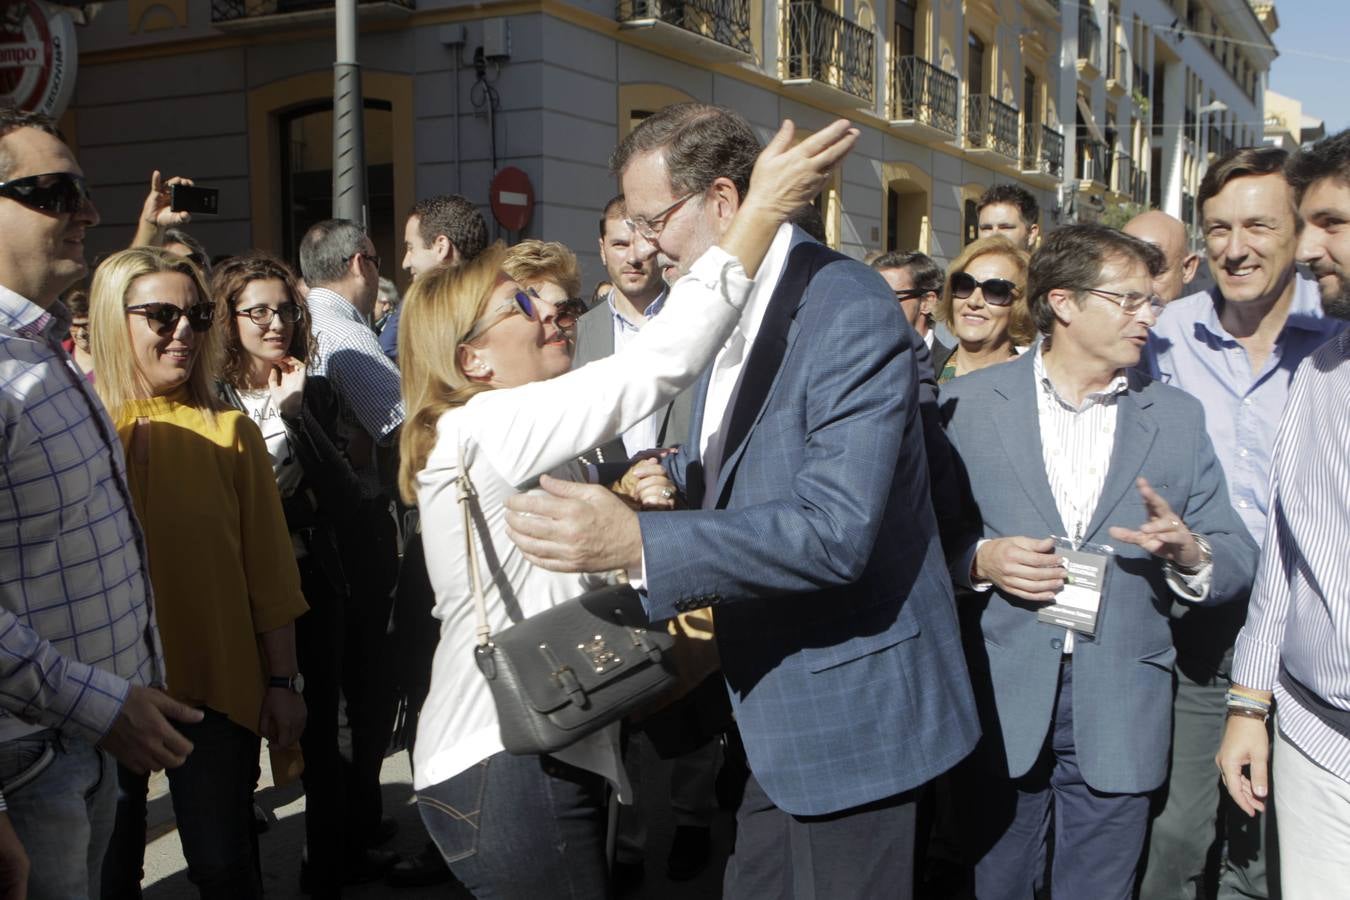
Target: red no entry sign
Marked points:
512	198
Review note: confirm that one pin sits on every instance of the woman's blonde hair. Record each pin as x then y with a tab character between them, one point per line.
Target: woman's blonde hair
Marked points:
439	309
534	260
118	380
1021	328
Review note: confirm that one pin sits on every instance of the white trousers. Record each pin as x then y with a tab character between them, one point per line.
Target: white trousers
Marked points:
1314	827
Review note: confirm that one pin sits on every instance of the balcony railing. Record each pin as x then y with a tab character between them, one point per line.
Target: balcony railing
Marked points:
1042	150
1092	162
825	47
1089	38
991	124
725	21
1124	174
236	10
922	92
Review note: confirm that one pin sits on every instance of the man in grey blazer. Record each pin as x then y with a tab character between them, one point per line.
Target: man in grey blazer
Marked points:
1069	442
809	528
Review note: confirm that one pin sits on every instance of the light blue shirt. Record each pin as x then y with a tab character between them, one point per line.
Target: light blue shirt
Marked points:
646	434
1190	349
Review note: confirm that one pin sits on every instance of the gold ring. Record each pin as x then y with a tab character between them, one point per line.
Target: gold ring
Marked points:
667	493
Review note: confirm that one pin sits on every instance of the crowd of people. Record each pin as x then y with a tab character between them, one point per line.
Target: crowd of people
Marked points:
1004	578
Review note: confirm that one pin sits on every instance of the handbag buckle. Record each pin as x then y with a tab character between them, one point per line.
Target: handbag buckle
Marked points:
597	651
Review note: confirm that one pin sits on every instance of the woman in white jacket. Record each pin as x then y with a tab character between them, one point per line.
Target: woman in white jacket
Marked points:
486	379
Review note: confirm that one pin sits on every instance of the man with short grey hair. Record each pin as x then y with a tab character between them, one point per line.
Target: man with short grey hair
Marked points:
338	261
1168	234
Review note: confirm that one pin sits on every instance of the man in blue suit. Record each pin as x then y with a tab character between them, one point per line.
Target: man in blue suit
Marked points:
1076	696
809	529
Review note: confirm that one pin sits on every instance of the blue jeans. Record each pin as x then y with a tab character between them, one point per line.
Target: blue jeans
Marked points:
521	827
213	803
62	797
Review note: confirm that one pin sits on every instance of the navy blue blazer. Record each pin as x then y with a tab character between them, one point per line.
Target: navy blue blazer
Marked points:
834	609
1122	678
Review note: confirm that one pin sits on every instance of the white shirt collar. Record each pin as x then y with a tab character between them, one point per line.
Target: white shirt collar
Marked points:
1118	385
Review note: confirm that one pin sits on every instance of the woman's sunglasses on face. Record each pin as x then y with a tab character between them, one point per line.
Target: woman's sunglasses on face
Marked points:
288	313
523	302
64	192
996	291
163	317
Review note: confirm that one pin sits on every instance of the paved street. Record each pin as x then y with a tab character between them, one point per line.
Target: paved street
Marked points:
166	874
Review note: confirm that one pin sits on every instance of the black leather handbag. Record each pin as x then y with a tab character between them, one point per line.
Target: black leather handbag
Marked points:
570	670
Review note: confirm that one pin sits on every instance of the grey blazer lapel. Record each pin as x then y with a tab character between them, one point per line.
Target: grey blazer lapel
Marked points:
1018	422
1135	433
595	335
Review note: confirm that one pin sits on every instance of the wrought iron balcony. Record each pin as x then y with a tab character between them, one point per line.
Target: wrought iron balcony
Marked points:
991	125
717	29
1123	174
228	12
1093	162
823	47
923	94
1042	153
1052	152
1089	39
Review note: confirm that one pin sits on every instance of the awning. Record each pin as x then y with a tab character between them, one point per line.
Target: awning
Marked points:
1088	119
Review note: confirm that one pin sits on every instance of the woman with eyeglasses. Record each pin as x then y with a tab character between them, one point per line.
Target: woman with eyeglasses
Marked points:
984	304
227	593
486	379
267	344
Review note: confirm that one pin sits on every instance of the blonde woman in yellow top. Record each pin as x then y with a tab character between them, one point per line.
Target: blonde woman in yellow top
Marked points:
226	588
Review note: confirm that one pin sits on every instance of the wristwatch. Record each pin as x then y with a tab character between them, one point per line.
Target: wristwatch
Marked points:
1206	556
294	682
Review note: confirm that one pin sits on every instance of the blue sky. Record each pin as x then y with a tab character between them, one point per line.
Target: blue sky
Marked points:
1319	27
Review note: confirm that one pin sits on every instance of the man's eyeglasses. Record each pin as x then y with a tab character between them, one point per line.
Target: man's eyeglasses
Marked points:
651	228
57	192
523	302
373	258
571	308
289	313
79	326
1131	302
163	317
996	291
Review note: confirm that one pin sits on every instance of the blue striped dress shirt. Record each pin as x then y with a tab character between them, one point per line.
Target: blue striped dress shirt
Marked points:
1300	608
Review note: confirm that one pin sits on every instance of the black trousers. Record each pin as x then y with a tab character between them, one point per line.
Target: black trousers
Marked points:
370	557
857	854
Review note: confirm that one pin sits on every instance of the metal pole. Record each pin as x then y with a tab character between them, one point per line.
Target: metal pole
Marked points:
349	134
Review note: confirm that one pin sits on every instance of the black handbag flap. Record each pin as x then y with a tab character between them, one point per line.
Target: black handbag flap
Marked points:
565	654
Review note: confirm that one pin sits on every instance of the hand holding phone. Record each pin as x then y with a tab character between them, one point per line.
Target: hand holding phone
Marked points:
192	199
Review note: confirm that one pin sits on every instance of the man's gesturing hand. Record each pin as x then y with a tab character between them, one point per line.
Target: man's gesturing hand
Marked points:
1245	743
1164	534
142	737
572	527
1022	566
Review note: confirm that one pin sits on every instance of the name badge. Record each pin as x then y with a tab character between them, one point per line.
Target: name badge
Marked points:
1078	604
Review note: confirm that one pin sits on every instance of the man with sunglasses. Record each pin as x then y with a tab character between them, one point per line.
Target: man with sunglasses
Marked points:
917	282
1098	500
1235	347
79	650
339	263
810	529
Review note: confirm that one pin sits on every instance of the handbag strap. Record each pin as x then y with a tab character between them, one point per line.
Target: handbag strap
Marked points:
467	493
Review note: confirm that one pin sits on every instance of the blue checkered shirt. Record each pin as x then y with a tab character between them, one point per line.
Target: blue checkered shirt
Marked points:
349	356
77	626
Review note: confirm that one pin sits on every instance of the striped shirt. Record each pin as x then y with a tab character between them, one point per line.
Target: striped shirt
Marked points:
76	620
1299	613
1076	444
349	356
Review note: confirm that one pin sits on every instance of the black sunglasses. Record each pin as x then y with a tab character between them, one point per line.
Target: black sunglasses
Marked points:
166	315
65	192
997	291
289	313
